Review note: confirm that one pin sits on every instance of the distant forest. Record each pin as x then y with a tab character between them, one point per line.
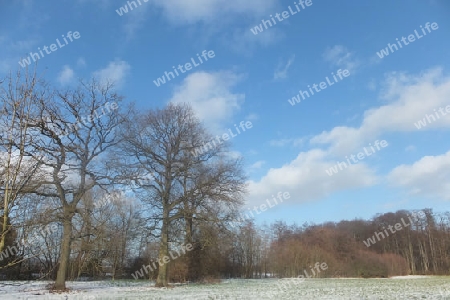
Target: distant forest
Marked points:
278	250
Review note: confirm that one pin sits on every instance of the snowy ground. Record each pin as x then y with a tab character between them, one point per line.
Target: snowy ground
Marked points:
417	287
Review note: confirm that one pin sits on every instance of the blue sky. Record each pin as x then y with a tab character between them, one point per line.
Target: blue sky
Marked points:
251	77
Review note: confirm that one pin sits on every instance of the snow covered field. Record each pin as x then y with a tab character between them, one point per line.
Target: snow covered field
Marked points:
418	287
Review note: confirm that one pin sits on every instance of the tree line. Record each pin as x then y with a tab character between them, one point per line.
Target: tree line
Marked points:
89	195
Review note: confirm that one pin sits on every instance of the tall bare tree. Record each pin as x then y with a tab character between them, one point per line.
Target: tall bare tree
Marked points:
179	184
75	129
19	95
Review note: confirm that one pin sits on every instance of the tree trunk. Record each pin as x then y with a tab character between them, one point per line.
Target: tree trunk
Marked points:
424	255
191	269
5	227
60	283
162	279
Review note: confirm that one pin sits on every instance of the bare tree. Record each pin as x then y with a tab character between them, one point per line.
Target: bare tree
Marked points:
75	130
179	185
19	96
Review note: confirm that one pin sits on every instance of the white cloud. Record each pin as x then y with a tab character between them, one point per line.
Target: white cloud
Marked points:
409	99
66	75
182	12
135	20
257	165
281	72
427	177
115	72
211	97
341	57
305	179
189	12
